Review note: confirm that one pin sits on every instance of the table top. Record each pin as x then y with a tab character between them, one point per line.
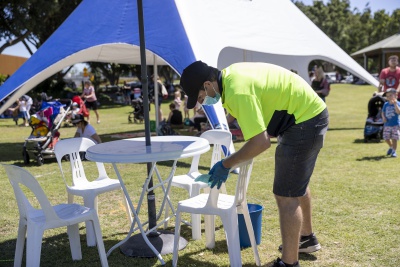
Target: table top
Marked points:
134	150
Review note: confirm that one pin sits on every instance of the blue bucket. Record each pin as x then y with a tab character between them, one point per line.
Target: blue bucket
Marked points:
255	212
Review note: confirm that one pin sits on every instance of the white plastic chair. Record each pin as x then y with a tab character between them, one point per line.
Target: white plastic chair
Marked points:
218	138
33	222
80	186
227	207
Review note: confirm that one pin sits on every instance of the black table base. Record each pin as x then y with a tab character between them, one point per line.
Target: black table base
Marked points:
163	241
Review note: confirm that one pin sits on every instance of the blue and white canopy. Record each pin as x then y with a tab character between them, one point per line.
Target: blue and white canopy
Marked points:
218	32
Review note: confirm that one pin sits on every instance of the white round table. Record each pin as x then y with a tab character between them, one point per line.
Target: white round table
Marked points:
134	150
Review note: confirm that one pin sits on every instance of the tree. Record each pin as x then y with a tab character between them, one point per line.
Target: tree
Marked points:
32	21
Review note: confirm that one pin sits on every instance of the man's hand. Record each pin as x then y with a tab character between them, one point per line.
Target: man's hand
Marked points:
219	174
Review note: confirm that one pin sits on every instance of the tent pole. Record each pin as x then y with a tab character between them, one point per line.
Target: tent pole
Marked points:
156	91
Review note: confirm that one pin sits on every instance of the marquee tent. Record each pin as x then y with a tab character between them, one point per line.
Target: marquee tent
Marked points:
218	32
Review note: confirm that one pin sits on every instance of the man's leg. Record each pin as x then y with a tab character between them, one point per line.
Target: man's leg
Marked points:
290	219
305	204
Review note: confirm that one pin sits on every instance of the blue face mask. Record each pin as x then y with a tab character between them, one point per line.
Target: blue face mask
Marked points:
208	100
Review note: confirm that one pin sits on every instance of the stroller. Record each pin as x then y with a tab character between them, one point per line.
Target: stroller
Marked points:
138	113
44	135
373	129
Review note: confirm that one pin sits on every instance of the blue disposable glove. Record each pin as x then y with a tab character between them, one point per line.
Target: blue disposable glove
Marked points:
219	174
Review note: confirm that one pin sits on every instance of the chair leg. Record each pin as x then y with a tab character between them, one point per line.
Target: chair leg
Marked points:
230	224
19	248
33	245
99	240
250	232
209	226
126	204
209	223
90	202
74	241
176	237
195	218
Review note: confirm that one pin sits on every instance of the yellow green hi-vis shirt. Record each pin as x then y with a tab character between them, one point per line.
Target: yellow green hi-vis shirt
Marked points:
264	96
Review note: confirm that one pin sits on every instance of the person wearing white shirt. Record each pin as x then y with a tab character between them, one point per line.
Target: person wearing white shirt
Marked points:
84	129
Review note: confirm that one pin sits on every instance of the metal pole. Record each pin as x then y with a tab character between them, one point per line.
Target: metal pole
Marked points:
156	91
150	195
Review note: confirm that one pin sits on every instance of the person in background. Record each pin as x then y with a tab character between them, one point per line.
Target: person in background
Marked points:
126	89
89	95
320	83
175	116
185	109
15	111
160	88
390	116
73	112
311	76
29	102
390	76
339	76
198	118
84	129
268	100
177	99
23	111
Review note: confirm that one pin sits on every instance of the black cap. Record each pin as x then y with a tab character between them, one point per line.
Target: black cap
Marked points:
77	118
193	77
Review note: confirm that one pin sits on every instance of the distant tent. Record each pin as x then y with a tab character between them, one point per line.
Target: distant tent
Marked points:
380	51
178	33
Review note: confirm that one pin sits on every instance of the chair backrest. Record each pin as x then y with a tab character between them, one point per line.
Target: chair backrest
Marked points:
215	137
218	138
19	176
242	183
72	147
245	169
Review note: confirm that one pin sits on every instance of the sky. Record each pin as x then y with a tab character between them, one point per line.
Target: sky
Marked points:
375	5
388	5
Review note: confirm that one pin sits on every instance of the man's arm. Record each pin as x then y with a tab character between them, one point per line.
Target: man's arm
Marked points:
253	147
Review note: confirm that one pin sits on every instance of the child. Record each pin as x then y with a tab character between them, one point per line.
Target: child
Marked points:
390	116
91	100
185	109
175	116
177	99
75	110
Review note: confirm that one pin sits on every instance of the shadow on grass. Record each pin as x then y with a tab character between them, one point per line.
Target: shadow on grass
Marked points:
344	129
376	158
365	141
56	252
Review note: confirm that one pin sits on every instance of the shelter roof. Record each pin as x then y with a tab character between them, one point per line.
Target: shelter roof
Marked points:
390	43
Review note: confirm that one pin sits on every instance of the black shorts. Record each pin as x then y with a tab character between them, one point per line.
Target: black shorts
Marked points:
91	105
296	155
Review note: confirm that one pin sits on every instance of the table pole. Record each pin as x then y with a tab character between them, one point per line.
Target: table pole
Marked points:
151	205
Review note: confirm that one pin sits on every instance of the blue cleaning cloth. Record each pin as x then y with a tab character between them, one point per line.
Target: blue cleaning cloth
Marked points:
204	178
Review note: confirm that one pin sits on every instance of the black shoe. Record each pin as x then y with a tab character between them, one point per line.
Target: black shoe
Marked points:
307	244
280	263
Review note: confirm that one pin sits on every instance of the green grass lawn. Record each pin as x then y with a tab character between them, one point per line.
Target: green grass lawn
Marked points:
355	190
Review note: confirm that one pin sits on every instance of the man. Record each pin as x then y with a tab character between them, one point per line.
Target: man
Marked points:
390	76
268	100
